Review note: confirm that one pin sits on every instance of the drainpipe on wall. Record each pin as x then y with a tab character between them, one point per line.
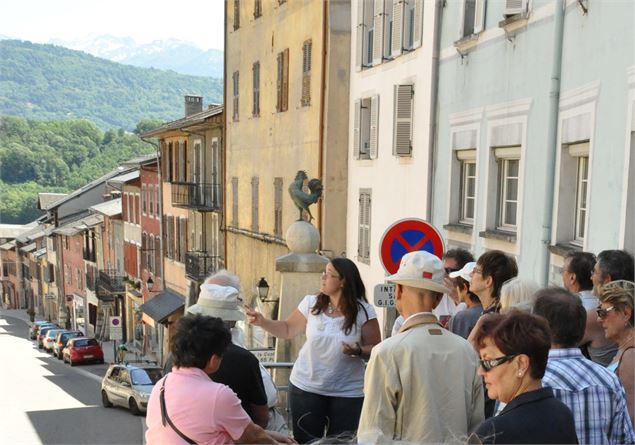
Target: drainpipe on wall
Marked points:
320	172
434	108
223	150
552	137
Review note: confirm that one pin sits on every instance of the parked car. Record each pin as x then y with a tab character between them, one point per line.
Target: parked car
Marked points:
33	329
49	339
129	385
42	332
82	350
61	339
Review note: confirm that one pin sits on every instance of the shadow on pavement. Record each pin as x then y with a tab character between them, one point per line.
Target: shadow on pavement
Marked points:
89	425
15	327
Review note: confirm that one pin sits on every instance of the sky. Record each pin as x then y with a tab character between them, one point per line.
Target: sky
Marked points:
144	20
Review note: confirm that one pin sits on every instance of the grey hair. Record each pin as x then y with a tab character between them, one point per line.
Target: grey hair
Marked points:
518	293
223	277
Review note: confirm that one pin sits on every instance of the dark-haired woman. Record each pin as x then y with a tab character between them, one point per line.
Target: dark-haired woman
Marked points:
514	349
327	379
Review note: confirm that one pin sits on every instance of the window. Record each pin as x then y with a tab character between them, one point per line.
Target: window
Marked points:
255	70
582	186
254	203
137	198
467	159
177	238
306	73
508	160
157	256
513	7
363	239
473	17
277	207
144	205
169	236
182	239
235	201
282	102
365	128
79	278
150	192
402	145
236	14
257	8
167	163
235	81
182	163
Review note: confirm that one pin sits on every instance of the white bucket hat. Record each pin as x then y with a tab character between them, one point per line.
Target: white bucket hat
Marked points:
420	269
218	301
465	272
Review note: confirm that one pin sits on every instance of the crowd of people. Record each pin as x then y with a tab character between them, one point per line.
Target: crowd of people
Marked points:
477	355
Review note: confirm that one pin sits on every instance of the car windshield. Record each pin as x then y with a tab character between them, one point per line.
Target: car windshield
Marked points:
146	376
88	342
52	333
67	335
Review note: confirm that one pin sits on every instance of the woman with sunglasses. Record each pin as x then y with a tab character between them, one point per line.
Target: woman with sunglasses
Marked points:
514	349
615	314
327	380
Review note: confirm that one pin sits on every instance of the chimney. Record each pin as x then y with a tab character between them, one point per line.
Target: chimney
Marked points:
193	104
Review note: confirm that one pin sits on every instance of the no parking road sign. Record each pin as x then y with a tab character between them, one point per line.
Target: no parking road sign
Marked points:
408	235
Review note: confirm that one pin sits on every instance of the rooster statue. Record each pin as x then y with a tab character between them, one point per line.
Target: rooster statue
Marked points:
301	199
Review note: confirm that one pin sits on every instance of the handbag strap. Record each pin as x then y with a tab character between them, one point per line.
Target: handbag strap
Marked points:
165	418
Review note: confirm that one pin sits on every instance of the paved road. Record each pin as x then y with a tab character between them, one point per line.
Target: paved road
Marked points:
44	401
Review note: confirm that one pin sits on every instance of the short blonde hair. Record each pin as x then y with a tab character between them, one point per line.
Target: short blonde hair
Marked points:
518	293
619	293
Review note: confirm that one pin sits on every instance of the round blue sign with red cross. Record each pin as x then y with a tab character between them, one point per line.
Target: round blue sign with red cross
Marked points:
408	235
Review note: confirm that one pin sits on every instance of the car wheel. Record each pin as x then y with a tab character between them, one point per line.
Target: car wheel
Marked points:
101	362
104	399
134	408
70	362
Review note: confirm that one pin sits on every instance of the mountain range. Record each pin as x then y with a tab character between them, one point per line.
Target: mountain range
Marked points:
48	82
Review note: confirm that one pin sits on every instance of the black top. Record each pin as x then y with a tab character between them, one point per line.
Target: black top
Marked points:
532	417
239	369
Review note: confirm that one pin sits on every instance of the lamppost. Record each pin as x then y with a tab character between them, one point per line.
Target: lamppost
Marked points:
263	291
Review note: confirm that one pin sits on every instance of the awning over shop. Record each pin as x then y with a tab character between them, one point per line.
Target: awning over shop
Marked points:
163	305
29	248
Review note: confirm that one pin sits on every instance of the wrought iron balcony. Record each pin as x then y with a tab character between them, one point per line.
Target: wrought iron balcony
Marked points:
200	264
111	281
199	196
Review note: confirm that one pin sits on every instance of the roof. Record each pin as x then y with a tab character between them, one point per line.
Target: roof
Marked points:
122	179
8	246
46	199
29	248
15	230
162	305
80	225
141	160
108	208
31	235
185	122
39	253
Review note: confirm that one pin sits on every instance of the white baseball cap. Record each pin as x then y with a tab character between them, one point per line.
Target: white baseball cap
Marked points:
465	272
420	269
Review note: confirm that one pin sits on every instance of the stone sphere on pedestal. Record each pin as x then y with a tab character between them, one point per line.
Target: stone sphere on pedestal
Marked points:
303	237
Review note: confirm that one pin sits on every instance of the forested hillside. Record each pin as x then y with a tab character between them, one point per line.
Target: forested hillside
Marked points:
57	156
47	82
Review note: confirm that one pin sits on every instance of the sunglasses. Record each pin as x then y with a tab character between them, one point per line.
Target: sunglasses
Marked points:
602	313
492	363
450	269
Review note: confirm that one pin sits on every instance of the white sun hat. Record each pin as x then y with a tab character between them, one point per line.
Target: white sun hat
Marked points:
465	272
218	301
420	269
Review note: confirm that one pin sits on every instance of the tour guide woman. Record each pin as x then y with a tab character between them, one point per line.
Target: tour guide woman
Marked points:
514	349
327	379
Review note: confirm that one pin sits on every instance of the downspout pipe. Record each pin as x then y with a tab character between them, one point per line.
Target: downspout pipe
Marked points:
434	109
552	137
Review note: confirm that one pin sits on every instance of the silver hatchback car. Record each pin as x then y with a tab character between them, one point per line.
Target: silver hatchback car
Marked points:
129	385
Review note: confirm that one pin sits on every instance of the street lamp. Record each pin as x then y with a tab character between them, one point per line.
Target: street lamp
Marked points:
263	290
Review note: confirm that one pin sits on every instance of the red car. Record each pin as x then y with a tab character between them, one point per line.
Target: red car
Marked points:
82	350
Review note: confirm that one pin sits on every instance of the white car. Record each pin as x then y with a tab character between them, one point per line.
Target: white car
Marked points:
49	339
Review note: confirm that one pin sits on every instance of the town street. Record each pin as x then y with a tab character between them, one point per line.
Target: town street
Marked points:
45	401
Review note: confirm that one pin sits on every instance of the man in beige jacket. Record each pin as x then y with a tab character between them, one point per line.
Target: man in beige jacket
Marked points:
420	385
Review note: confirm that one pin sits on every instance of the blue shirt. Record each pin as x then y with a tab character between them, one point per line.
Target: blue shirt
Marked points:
594	395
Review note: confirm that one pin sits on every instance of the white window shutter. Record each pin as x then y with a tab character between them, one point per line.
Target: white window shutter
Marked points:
359	40
374	124
418	25
397	28
403	120
378	33
479	16
513	7
356	128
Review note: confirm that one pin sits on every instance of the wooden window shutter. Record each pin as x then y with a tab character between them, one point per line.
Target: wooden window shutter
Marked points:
177	235
257	8
285	80
403	120
359	38
397	28
277	216
157	256
235	201
256	89
363	243
236	85
236	14
357	128
378	32
479	16
306	73
418	23
374	126
279	84
170	237
182	239
254	203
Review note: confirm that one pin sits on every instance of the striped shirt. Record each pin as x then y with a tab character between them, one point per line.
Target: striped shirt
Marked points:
594	395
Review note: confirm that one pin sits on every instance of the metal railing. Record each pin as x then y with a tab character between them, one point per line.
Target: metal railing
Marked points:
200	196
199	264
270	366
111	280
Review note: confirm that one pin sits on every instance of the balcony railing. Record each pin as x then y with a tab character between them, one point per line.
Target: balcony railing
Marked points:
89	255
199	264
200	196
111	281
